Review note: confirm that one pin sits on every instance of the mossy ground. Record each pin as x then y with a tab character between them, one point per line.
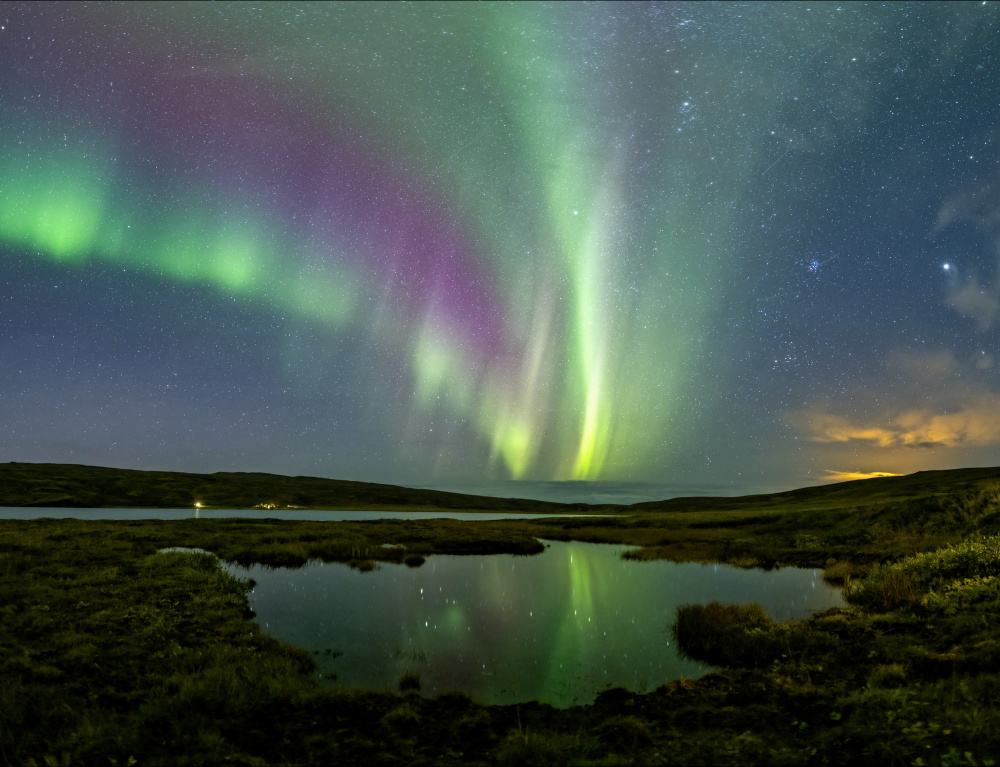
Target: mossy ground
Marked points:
111	653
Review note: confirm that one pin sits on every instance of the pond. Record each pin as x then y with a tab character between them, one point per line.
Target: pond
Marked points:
305	515
558	627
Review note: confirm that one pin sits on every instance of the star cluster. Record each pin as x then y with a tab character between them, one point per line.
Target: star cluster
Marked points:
679	247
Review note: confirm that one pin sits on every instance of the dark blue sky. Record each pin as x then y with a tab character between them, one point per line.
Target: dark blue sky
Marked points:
661	248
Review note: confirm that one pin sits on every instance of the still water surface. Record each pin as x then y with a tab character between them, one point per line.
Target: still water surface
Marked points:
558	627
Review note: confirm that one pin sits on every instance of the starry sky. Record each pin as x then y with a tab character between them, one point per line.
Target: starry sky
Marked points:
577	251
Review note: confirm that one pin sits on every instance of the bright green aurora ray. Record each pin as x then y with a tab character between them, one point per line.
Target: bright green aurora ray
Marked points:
601	256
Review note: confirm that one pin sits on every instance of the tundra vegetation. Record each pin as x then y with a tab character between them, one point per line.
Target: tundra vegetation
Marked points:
113	653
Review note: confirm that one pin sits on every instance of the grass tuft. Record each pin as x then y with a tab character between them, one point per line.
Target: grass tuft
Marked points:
409	682
886	588
887	675
728	635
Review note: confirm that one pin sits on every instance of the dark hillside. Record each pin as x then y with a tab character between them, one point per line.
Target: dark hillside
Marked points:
76	486
922	484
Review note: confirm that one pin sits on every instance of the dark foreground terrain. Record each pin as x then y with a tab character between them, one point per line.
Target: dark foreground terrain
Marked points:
111	653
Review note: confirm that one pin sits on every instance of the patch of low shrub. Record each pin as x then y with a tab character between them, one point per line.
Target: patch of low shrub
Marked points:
899	584
729	635
843	572
887	675
977	555
409	681
744	561
887	587
977	593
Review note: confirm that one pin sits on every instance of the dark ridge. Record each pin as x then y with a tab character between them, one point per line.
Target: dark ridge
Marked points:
54	485
840	494
76	486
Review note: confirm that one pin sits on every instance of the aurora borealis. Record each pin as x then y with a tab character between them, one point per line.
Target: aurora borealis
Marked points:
665	248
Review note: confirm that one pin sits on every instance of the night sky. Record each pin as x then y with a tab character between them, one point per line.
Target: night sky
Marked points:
666	249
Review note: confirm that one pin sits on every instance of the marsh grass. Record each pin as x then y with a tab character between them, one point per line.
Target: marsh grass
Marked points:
843	572
908	675
857	524
967	569
887	675
410	681
94	654
885	589
745	561
729	635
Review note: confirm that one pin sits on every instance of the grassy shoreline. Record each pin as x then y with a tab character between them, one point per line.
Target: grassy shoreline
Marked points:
110	652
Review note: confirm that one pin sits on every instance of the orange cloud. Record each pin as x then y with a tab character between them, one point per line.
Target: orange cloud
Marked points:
833	428
976	425
847	476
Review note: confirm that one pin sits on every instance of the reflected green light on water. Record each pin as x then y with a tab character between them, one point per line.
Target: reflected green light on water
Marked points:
558	627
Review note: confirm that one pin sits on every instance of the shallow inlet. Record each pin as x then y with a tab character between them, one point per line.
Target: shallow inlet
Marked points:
558	627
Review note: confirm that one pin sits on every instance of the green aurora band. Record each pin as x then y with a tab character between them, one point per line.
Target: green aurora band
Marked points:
600	234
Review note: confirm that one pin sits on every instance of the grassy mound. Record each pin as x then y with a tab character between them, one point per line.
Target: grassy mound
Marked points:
729	635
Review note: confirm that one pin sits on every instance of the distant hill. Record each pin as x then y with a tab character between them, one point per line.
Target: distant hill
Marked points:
841	494
77	486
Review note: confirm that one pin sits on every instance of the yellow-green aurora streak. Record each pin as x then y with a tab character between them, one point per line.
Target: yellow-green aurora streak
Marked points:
579	372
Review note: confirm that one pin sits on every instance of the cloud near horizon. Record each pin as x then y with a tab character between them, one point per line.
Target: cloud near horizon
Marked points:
937	401
977	425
